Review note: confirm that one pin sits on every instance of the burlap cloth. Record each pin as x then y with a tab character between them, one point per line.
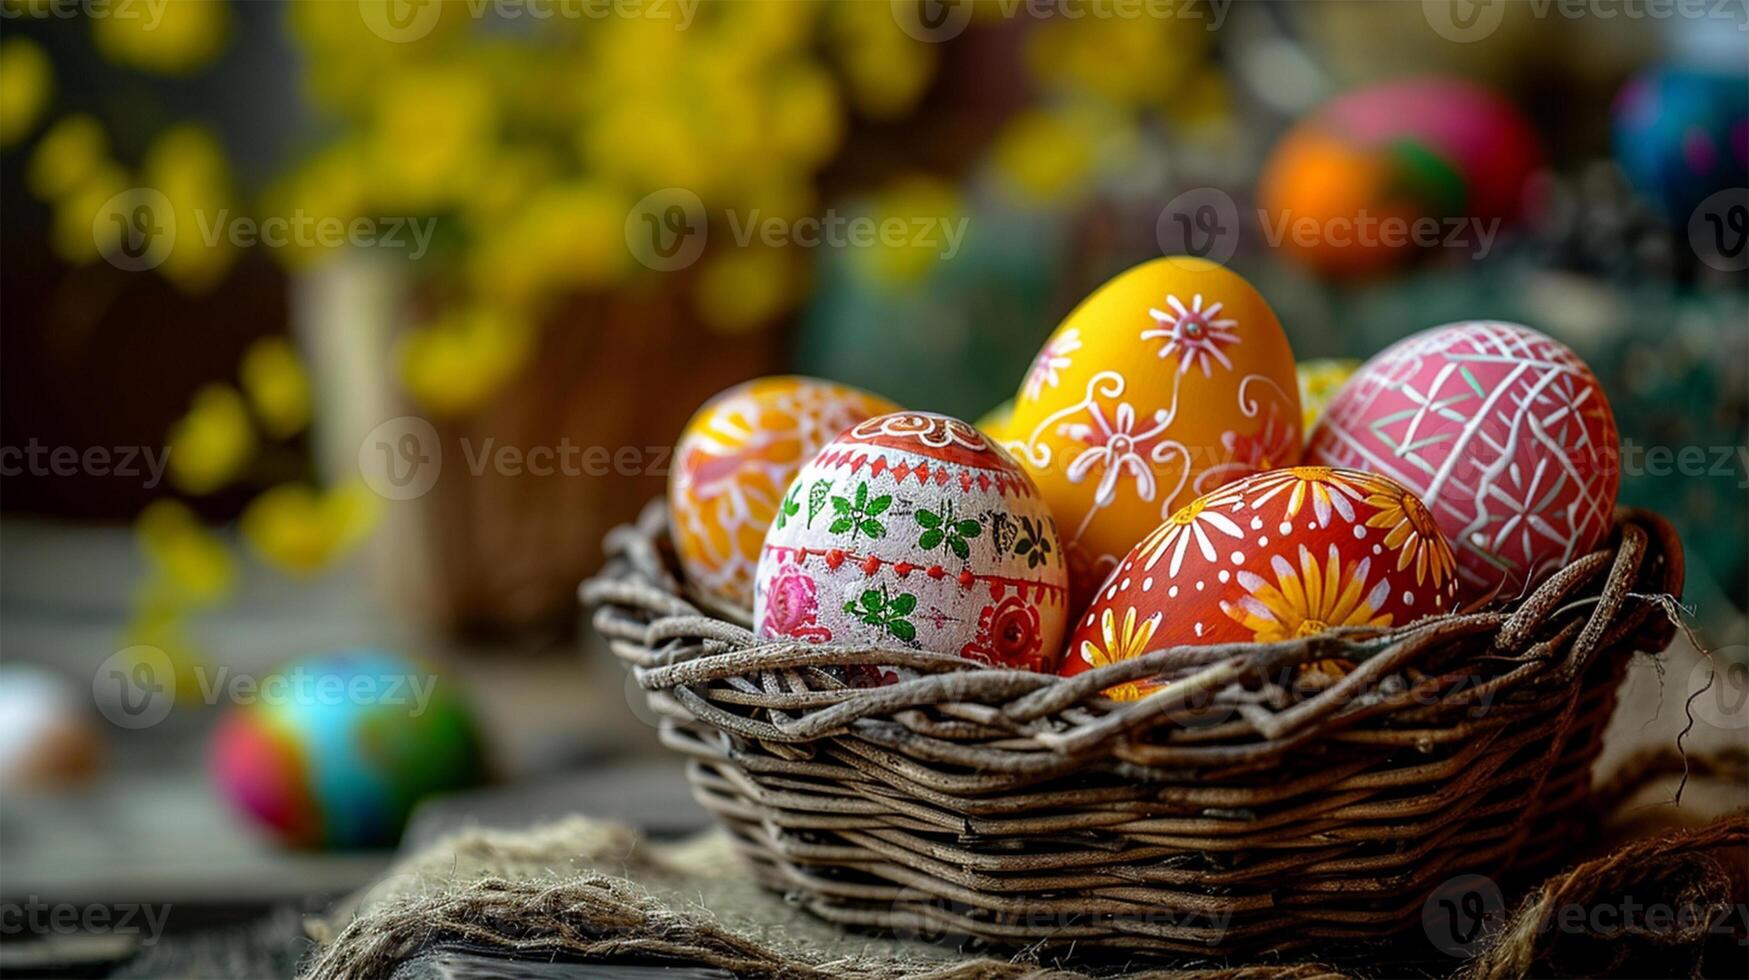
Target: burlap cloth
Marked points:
589	891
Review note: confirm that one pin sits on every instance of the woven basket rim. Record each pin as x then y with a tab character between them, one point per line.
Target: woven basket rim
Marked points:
1548	638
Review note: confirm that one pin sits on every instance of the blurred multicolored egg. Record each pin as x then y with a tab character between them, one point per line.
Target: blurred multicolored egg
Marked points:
334	750
1344	187
1682	134
915	532
1284	554
1167	382
732	464
1319	382
1505	434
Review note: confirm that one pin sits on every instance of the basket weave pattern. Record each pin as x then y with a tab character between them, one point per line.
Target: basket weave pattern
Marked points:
1227	814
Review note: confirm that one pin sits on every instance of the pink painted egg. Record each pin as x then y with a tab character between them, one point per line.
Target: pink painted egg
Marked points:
734	460
1501	430
915	532
1283	554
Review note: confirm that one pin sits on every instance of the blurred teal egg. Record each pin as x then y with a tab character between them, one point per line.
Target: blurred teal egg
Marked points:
334	750
1682	134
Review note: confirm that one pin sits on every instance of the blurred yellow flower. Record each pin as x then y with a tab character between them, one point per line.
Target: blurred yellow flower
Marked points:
26	82
888	70
1044	155
277	386
433	127
79	237
160	624
188	166
567	236
193	565
68	154
459	362
330	186
299	531
210	445
740	289
918	219
1115	58
172	38
807	122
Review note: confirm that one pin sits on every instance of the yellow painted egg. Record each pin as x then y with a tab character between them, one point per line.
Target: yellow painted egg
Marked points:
732	464
1319	381
1167	382
994	423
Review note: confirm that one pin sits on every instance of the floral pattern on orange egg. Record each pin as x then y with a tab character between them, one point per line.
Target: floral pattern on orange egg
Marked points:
1285	554
733	463
1168	381
916	533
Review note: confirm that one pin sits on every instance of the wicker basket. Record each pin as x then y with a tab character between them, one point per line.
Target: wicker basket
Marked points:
1225	815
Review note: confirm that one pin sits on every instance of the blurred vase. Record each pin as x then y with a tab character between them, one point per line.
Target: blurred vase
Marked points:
495	515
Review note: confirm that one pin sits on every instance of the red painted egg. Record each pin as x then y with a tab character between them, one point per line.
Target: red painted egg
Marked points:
1283	554
1501	430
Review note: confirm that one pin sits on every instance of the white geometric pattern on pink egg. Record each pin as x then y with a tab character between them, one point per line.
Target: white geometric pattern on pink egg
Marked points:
1502	431
912	531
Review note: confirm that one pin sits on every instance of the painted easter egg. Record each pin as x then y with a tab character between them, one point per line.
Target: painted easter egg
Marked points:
1284	554
1503	432
1345	188
916	532
1320	380
732	464
994	423
1682	134
1167	382
334	750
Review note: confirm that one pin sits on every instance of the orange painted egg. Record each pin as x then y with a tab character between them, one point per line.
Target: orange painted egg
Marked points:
1283	554
733	462
917	533
1167	382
